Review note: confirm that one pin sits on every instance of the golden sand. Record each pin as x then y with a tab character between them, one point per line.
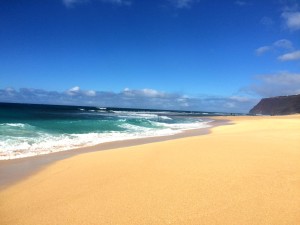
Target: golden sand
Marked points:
247	173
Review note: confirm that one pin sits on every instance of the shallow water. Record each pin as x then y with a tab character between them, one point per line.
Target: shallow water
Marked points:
29	130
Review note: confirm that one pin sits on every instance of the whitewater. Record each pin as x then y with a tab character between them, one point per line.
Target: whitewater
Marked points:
30	130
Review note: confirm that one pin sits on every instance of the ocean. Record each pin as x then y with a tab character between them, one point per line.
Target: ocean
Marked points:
32	129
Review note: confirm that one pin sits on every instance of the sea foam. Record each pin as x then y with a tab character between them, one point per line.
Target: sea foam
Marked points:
34	130
44	143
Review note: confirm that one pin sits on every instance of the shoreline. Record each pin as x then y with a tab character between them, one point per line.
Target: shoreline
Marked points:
246	173
15	170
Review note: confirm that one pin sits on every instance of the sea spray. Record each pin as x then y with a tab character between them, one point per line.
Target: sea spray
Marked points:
30	130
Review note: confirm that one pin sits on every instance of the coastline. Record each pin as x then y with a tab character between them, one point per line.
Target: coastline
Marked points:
15	170
246	173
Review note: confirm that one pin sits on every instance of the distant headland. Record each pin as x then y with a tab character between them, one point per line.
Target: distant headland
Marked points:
281	105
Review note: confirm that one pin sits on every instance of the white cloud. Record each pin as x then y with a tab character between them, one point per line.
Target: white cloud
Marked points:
142	98
76	91
292	20
226	104
152	93
73	90
263	49
281	46
283	83
144	92
90	93
10	91
283	78
290	56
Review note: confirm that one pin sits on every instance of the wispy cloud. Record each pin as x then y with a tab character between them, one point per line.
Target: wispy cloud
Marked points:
262	50
72	3
283	46
241	3
290	56
118	2
225	104
142	98
180	4
267	21
283	83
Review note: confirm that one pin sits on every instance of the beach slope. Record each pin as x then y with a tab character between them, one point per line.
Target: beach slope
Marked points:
244	173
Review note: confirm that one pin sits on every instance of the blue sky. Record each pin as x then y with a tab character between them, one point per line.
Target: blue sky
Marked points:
208	55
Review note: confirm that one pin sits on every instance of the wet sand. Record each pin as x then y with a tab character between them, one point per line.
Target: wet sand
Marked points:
12	171
246	173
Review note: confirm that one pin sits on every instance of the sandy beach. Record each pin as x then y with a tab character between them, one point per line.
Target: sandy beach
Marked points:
245	173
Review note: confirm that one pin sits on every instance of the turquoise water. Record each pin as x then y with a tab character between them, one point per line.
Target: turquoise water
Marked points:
29	130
